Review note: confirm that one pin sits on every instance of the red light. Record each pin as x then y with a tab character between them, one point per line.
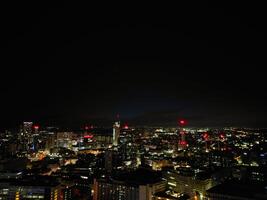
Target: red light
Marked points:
206	136
36	127
183	142
86	128
182	122
221	136
126	126
88	136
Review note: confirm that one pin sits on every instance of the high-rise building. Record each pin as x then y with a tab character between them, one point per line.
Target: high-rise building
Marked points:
109	161
182	141
27	128
26	136
50	141
116	133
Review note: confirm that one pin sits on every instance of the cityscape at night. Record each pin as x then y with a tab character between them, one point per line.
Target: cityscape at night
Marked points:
124	103
127	162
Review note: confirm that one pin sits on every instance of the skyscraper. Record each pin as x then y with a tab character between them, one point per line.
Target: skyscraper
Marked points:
25	137
27	128
182	141
109	161
116	133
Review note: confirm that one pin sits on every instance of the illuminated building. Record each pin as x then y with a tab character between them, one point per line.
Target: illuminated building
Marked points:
67	193
95	139
30	188
182	141
25	136
116	133
27	128
137	185
65	139
187	182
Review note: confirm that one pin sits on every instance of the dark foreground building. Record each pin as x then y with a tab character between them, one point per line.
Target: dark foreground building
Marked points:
236	190
137	185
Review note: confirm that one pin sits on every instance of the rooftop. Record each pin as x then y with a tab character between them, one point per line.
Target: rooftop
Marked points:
139	177
240	189
41	181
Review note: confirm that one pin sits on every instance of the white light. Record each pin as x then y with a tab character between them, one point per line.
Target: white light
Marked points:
172	184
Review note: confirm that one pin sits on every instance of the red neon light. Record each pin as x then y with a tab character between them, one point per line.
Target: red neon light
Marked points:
88	136
36	127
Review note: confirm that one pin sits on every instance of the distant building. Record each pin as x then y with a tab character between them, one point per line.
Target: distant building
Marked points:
65	139
50	141
26	135
97	138
138	185
27	128
116	133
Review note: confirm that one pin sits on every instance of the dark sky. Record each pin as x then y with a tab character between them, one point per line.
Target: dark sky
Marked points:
72	64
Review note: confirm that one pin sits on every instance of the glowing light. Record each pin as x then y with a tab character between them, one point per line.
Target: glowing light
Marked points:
36	127
206	136
126	126
182	122
172	184
88	136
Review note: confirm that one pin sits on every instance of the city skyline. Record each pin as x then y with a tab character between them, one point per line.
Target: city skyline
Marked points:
128	102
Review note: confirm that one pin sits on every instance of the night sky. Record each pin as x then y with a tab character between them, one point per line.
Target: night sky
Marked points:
71	64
